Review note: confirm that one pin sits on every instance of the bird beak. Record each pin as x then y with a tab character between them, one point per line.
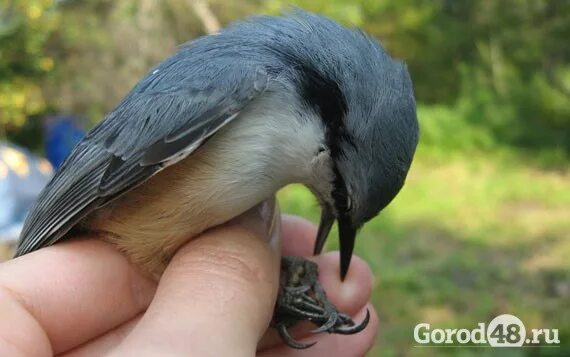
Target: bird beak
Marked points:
327	221
346	237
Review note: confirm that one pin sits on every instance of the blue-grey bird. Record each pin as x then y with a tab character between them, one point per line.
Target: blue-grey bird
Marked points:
225	123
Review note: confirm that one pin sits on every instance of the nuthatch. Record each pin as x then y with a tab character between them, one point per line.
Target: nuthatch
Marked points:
226	122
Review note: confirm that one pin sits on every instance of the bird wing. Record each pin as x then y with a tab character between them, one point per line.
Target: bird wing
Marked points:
167	116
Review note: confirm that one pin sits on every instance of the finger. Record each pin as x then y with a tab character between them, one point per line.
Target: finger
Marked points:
293	229
349	296
299	236
334	345
106	343
69	293
352	293
215	298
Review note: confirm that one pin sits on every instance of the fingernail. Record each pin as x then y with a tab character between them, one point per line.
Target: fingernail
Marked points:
264	220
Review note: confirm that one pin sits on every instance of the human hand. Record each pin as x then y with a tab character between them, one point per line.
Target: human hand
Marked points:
83	298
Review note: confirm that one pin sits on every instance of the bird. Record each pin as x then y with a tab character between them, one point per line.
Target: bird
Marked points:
224	123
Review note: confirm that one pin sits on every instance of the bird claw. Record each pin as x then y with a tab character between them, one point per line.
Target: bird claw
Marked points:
352	328
301	298
290	341
328	325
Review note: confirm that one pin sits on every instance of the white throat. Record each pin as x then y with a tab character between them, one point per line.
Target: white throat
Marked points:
272	143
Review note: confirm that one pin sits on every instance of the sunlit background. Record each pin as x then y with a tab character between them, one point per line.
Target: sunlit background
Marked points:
482	226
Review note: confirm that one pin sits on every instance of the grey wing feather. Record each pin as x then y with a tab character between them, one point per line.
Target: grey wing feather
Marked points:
165	118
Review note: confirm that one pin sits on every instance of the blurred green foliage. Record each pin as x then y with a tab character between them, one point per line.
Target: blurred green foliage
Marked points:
481	227
467	239
24	30
486	73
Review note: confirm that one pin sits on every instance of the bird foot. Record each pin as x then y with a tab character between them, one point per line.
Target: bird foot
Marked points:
301	297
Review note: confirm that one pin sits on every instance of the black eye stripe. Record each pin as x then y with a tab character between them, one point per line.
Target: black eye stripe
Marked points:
340	194
325	96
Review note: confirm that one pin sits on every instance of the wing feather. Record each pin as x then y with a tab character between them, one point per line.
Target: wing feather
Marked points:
164	119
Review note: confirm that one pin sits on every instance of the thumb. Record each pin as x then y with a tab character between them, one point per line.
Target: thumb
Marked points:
216	297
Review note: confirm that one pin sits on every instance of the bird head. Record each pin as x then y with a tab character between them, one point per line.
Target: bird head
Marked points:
366	102
359	96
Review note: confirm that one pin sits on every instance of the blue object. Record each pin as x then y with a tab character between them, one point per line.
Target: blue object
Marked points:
61	134
22	176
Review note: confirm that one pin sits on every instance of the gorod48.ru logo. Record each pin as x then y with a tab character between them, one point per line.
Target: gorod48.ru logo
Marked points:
503	331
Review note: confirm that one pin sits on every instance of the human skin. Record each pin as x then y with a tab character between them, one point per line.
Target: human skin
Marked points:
83	298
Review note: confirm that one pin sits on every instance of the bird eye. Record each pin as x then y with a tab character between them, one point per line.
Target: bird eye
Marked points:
345	204
321	149
343	201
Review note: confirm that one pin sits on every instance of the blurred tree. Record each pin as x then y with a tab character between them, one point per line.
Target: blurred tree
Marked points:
503	66
25	27
106	46
209	21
